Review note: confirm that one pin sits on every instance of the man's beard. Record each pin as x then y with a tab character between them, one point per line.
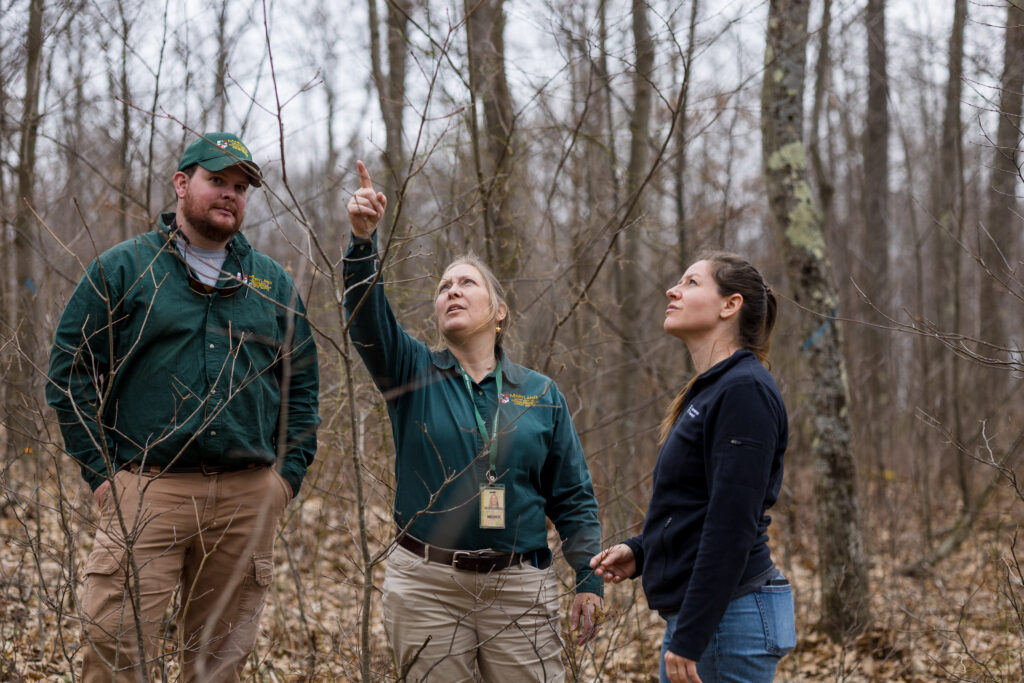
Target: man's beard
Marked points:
205	227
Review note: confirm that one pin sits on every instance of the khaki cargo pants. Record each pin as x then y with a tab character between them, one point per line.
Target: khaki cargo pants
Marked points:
212	535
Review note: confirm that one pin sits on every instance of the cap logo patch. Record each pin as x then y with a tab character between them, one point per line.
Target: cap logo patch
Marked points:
235	145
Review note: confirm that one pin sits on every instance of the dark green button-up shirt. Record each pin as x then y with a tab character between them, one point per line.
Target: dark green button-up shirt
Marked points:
143	368
441	460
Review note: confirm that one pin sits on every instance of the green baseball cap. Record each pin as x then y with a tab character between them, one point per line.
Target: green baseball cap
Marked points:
217	151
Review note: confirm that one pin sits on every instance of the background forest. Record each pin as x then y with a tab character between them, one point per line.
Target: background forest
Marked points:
865	154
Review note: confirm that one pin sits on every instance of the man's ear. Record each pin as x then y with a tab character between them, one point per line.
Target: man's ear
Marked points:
731	305
180	180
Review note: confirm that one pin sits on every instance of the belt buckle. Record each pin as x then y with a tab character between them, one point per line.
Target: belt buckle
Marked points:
468	560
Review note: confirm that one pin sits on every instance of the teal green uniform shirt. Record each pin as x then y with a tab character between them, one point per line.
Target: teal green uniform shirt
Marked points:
441	462
146	369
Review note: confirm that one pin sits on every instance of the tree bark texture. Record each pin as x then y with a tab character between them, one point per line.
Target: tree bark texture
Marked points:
948	308
25	240
935	248
682	229
627	275
391	86
873	395
391	97
997	242
822	71
797	224
485	25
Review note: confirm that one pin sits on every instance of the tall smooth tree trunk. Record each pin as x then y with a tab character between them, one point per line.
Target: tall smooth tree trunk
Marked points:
944	306
797	224
823	177
8	277
627	275
392	93
938	391
19	400
941	398
682	229
997	244
871	343
391	97
220	84
124	144
497	155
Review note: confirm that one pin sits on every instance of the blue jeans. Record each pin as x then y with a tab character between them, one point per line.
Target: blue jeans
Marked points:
756	631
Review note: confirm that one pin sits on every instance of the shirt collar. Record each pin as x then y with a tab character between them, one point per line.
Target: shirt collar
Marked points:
510	372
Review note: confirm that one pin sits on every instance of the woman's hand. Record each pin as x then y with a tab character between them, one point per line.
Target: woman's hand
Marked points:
584	609
101	493
680	669
614	564
367	206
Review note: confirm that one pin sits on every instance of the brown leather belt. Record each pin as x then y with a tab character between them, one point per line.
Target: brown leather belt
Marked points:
480	561
195	469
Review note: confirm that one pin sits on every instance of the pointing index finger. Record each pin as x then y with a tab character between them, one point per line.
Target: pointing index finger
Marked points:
364	176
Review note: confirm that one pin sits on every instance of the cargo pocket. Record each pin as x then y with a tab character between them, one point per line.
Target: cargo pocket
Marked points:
103	562
103	583
258	577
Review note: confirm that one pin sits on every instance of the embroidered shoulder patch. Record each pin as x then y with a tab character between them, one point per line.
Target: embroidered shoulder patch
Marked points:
260	283
523	400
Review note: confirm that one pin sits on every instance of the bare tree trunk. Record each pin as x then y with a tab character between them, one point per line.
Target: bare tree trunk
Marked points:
391	96
947	187
151	135
822	77
997	243
124	95
220	85
873	373
627	275
391	88
682	230
485	25
797	223
8	279
24	330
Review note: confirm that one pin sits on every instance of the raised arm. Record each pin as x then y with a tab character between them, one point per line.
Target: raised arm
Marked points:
387	351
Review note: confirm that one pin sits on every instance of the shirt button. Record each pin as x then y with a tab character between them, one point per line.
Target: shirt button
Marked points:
211	346
479	392
213	432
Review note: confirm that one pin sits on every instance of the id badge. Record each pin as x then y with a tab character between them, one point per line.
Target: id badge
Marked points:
492	506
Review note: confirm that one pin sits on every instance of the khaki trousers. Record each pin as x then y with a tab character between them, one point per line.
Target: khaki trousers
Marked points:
442	622
211	535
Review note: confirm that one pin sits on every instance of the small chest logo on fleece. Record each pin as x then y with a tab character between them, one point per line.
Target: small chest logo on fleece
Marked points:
692	412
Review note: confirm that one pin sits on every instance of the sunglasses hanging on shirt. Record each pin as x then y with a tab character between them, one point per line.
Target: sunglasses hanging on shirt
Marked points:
236	282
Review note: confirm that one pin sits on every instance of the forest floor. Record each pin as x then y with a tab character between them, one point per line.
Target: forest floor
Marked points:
960	622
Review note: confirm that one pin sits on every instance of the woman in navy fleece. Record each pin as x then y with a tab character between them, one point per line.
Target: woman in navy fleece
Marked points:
703	553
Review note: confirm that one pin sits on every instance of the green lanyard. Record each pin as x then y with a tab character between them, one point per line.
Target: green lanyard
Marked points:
492	439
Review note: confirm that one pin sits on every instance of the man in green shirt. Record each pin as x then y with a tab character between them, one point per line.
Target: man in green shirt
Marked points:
184	376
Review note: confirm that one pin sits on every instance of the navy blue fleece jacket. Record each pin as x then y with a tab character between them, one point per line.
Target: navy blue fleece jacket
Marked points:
704	539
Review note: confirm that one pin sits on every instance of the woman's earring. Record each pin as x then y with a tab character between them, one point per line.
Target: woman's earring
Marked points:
497	329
